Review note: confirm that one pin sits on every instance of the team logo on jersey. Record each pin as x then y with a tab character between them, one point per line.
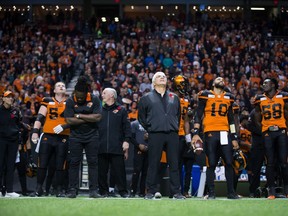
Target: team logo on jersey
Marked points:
89	104
64	140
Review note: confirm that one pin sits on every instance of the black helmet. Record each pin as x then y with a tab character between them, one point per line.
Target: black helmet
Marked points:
180	84
239	160
31	170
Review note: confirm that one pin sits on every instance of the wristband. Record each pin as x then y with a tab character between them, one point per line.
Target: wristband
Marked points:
234	136
188	138
196	131
35	130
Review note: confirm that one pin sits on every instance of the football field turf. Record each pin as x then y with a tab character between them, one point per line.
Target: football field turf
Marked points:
51	206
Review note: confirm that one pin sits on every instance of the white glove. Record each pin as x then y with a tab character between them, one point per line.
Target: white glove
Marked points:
58	129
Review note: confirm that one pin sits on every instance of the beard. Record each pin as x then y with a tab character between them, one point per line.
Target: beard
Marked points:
219	86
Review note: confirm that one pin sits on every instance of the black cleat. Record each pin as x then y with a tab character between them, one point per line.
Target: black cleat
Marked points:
178	196
71	194
233	196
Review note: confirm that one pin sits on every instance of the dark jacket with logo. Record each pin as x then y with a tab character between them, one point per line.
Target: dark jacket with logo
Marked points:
9	123
114	129
159	114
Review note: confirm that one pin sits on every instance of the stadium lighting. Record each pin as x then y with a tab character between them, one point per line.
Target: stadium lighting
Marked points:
257	8
103	19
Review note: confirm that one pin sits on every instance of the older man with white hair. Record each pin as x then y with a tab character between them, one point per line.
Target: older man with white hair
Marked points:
114	137
159	113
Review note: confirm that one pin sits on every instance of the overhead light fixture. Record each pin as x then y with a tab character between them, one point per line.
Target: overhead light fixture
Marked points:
257	8
161	7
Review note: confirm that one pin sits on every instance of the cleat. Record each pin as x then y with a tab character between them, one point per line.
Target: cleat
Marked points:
179	196
271	197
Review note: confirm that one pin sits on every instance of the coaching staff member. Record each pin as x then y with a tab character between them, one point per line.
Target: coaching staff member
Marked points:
9	134
81	113
159	114
114	135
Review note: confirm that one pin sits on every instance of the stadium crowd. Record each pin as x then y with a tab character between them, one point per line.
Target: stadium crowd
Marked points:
33	59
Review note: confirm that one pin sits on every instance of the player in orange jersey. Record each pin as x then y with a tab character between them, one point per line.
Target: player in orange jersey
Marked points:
215	114
245	146
54	139
271	114
186	156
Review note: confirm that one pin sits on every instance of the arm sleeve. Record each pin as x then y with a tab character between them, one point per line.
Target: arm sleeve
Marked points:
126	125
199	111
97	105
142	113
69	111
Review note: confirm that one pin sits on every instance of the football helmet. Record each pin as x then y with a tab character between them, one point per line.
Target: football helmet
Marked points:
180	84
31	170
239	160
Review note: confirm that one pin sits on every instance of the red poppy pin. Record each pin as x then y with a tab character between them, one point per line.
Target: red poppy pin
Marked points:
117	109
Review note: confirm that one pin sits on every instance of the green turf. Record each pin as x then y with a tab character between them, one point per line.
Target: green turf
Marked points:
132	207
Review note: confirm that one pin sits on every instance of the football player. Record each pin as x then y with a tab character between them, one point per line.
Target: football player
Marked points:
54	139
215	114
245	147
180	86
271	114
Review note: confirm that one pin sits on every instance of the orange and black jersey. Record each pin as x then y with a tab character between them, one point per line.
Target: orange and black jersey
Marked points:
245	138
87	130
185	104
236	108
215	111
55	115
272	110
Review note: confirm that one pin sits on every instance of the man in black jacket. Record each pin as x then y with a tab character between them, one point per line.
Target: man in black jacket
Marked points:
9	134
114	136
159	114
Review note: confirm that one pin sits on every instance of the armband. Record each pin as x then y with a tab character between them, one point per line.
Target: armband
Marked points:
40	118
234	136
65	126
196	131
35	130
188	138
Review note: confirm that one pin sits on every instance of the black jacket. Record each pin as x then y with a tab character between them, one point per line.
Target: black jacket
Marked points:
159	114
114	129
10	123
